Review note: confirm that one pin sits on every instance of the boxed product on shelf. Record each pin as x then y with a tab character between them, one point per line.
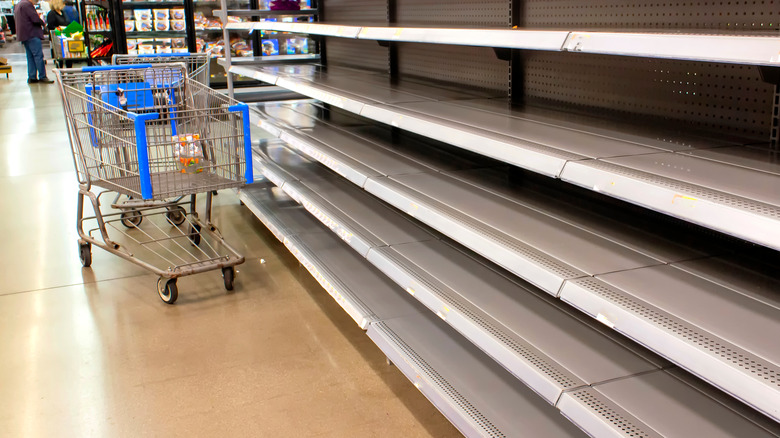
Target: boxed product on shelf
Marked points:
178	25
144	25
178	43
240	47
132	45
270	47
161	14
213	23
132	52
143	14
175	50
177	14
129	25
297	46
200	20
162	25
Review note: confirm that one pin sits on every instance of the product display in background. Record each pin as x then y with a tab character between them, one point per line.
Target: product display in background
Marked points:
97	19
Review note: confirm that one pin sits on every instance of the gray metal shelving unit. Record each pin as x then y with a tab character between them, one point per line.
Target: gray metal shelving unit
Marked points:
567	253
729	195
570	362
558	206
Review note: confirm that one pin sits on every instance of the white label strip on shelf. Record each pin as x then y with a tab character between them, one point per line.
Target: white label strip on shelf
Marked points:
759	50
253	73
240	26
310	28
308	89
509	38
468	138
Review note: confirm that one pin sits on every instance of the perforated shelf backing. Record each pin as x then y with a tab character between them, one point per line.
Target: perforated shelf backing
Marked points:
632	14
717	97
357	12
361	54
476	67
475	13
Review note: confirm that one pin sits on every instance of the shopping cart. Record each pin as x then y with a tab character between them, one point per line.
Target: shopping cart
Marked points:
197	63
197	68
128	126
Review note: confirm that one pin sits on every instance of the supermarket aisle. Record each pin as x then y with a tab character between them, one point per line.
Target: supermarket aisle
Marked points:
94	352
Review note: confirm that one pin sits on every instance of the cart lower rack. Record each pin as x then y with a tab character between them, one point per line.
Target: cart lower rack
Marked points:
154	137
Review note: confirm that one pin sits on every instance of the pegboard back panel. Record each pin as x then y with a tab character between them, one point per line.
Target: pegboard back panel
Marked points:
361	54
641	14
475	67
475	13
357	12
715	97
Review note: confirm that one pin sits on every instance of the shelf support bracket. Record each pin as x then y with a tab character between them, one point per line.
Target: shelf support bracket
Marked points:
772	76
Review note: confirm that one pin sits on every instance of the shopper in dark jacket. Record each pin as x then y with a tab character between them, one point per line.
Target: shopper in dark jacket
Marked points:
56	16
29	30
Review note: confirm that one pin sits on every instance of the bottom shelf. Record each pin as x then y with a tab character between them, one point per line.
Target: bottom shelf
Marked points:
476	394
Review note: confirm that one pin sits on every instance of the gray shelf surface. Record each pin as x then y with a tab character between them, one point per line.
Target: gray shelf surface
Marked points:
360	289
717	319
739	48
558	250
660	404
560	357
666	172
479	397
548	349
454	389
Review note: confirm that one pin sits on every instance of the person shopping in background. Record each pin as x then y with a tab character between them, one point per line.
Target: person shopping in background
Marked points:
70	12
57	18
29	31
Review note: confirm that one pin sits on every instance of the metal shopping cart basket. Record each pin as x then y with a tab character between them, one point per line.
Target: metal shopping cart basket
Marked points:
133	130
197	63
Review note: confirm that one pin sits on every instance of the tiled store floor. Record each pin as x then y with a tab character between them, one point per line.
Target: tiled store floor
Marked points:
94	352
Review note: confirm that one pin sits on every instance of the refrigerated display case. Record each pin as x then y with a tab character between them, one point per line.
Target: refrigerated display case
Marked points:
100	22
209	39
196	26
154	27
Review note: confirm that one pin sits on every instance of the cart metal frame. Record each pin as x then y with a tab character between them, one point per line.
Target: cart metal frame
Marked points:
121	121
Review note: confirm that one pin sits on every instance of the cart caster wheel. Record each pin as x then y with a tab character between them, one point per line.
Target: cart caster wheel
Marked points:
176	215
228	274
166	288
195	234
85	254
131	218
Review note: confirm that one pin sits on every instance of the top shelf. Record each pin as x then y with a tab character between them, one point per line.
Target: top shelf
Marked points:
753	49
264	12
152	5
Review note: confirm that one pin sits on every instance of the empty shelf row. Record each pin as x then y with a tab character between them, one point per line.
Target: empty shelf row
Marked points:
715	182
569	362
741	48
707	314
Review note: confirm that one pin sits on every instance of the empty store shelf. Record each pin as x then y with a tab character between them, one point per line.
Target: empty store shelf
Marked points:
652	169
558	249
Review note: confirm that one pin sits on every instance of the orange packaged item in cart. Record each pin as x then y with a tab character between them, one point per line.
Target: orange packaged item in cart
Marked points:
188	153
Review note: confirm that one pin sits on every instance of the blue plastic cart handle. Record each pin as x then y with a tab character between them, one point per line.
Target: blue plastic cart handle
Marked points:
244	109
162	55
115	67
142	148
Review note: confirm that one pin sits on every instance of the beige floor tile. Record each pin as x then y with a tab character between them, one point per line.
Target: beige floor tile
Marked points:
94	352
